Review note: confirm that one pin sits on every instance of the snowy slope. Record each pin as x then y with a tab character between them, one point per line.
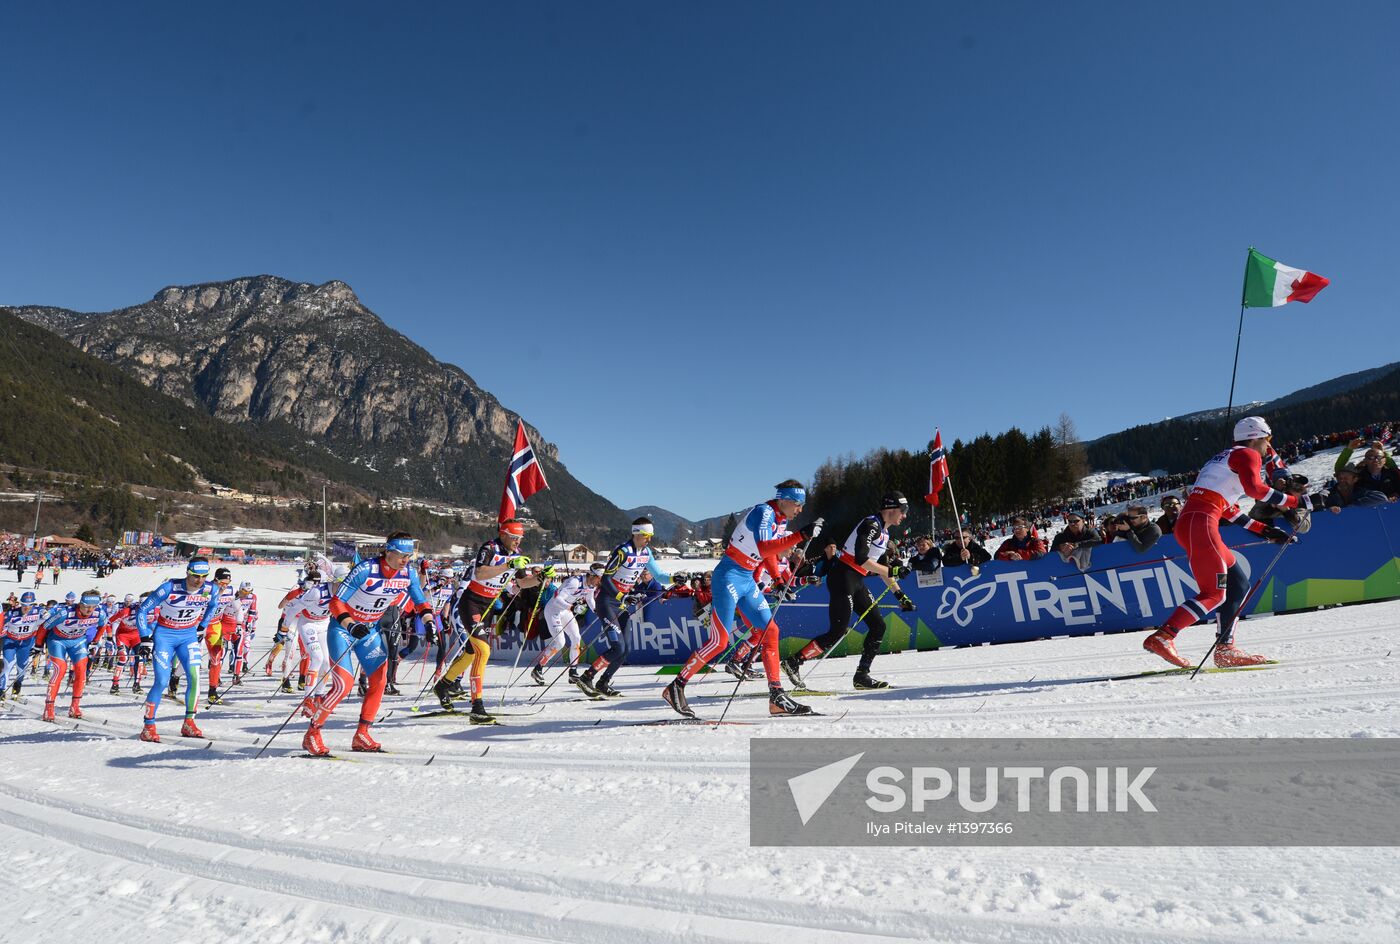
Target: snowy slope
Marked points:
578	825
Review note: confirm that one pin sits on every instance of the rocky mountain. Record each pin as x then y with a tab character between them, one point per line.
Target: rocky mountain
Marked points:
311	364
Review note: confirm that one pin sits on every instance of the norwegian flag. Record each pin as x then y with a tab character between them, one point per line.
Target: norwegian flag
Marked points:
937	469
524	477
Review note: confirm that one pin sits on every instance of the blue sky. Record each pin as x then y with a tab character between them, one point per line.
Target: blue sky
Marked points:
754	234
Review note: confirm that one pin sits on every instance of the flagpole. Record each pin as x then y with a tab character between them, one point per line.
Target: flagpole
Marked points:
1230	406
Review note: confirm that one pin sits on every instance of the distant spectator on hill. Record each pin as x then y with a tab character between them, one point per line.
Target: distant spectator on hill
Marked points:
1171	510
967	551
1022	545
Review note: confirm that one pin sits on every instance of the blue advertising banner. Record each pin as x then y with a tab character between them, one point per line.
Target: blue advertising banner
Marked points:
1346	558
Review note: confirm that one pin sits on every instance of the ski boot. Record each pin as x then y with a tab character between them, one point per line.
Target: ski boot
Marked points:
391	689
1163	643
584	683
237	679
301	683
174	687
479	713
286	688
864	683
781	703
736	669
606	689
214	698
674	695
363	743
136	689
310	705
74	711
446	691
48	711
116	687
148	733
1230	656
792	668
537	675
311	742
14	689
190	730
362	686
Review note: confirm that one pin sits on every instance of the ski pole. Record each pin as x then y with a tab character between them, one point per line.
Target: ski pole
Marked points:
1225	631
860	619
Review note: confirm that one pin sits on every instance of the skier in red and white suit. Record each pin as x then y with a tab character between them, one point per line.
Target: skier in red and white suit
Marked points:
1223	481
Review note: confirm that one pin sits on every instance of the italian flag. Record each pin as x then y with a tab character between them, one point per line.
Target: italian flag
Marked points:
1269	283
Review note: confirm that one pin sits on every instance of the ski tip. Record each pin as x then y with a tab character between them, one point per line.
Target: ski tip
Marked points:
429	762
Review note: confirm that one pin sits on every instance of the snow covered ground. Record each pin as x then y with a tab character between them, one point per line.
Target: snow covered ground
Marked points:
580	825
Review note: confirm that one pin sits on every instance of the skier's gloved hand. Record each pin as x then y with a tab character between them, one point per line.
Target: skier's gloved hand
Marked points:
812	580
548	572
898	570
359	630
143	649
630	600
905	604
812	529
519	563
1277	535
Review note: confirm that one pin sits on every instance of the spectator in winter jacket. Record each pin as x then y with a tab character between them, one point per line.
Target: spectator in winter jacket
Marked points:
1360	442
1022	545
967	551
1076	533
680	586
1378	474
1346	491
702	595
1171	510
1136	528
926	557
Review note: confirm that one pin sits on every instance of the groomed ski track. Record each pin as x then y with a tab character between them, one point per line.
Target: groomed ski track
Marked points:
578	826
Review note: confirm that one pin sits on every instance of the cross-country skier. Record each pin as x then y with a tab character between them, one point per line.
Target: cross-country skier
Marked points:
866	551
17	632
371	587
172	622
66	633
308	616
246	610
575	596
222	631
626	565
1222	483
760	538
497	561
128	640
